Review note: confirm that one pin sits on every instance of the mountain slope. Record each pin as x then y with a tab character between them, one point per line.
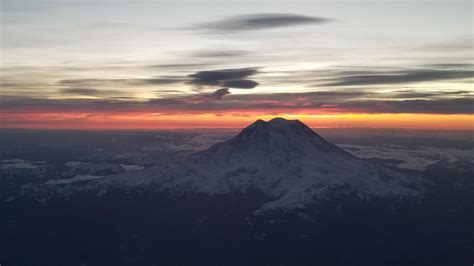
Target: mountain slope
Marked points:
289	162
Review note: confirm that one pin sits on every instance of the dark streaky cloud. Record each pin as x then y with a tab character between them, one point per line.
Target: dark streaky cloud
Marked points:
119	82
261	21
240	83
91	92
218	94
232	78
220	53
398	77
81	91
439	106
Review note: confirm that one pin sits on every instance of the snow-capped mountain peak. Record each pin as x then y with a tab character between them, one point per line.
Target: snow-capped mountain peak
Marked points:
286	160
265	140
289	130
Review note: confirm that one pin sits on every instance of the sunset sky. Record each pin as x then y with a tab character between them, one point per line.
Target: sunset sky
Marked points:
103	64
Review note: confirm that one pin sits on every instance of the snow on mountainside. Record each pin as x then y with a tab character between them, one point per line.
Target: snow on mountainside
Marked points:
288	162
284	159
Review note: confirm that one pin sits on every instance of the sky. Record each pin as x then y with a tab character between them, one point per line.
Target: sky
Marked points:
103	64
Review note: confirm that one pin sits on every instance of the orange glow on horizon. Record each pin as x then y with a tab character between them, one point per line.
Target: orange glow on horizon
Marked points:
91	121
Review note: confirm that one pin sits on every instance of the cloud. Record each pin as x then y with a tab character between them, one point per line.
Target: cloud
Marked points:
121	82
397	77
178	66
232	78
441	106
461	43
218	94
87	92
428	94
261	22
226	78
159	81
220	53
239	83
78	178
18	164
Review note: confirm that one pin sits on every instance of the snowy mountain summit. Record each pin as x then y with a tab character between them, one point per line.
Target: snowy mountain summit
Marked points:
289	163
279	138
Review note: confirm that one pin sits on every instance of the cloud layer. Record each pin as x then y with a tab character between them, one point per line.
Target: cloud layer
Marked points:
311	102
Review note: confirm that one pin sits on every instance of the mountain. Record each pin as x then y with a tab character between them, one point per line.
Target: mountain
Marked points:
291	164
283	159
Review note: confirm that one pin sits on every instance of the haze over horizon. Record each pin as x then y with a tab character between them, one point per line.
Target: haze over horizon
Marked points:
212	64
